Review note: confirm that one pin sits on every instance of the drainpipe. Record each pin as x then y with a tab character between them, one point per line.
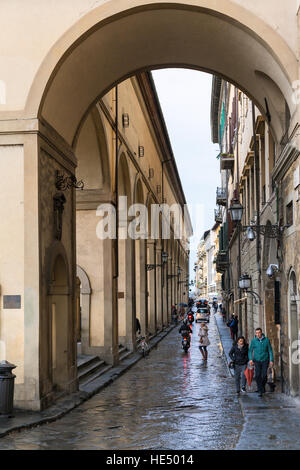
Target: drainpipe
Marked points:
117	183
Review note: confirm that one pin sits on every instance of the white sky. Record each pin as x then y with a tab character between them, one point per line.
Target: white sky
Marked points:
185	97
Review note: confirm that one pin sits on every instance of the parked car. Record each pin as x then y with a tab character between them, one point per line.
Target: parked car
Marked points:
202	315
202	303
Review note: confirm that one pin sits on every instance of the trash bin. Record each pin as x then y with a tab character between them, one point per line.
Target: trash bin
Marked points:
7	381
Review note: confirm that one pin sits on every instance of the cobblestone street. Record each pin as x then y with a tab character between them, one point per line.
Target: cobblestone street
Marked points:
170	400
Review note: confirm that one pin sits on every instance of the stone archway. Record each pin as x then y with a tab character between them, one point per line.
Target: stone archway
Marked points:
294	335
126	265
80	57
140	262
83	305
187	29
61	370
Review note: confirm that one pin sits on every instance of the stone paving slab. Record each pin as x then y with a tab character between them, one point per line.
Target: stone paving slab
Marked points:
23	419
271	422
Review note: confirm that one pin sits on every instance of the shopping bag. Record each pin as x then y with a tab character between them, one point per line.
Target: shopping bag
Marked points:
249	374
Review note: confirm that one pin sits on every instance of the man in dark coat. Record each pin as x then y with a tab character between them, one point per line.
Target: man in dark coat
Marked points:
239	356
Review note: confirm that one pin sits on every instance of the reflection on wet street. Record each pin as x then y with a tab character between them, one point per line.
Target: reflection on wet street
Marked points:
170	400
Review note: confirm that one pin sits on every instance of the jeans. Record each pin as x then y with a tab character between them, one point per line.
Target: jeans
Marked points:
261	369
238	371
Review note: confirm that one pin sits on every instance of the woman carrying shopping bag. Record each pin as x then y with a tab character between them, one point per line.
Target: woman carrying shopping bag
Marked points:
204	341
239	356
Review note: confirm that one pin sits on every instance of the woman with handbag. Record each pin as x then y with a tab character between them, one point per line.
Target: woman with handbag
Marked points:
204	341
239	356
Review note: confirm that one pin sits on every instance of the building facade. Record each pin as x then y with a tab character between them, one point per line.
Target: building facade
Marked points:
208	280
119	275
264	178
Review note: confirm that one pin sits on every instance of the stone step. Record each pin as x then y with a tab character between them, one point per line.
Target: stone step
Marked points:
89	368
123	352
124	355
84	359
94	376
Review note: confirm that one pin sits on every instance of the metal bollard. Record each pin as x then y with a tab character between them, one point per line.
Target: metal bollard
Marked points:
7	381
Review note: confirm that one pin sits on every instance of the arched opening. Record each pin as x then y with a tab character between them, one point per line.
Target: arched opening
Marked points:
93	168
126	306
83	305
140	263
59	321
151	274
186	31
294	335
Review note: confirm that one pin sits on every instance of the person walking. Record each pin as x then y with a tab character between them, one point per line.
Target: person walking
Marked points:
234	327
261	356
204	341
223	312
239	356
137	326
174	314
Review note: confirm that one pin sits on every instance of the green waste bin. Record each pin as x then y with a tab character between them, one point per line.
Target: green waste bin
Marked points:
7	381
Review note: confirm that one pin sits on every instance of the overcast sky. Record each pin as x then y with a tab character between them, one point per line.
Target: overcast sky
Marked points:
185	97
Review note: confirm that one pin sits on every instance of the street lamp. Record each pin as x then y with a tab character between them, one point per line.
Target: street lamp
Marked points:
269	231
236	211
164	258
245	284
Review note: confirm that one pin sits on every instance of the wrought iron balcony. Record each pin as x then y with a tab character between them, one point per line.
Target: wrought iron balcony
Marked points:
221	196
226	161
218	215
222	261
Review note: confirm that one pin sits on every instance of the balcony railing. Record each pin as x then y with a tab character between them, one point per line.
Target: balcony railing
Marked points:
222	261
221	196
226	161
218	215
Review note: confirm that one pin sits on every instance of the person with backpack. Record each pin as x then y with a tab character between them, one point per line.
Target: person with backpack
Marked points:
261	355
239	356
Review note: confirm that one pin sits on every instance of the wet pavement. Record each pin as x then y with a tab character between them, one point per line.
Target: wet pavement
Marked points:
169	400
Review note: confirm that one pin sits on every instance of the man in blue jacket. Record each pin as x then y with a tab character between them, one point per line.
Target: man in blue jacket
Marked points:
261	355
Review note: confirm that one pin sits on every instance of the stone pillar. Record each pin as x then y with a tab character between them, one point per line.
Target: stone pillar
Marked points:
126	303
165	293
170	289
110	350
20	263
151	255
159	293
141	285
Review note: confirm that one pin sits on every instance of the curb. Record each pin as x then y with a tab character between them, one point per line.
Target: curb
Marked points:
223	351
70	402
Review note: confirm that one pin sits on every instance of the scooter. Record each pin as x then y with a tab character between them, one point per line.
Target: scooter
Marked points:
186	342
190	318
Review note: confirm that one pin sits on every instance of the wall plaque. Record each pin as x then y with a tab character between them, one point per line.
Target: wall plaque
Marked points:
121	295
11	301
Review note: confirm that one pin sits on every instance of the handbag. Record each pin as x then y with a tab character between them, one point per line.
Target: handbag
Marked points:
271	375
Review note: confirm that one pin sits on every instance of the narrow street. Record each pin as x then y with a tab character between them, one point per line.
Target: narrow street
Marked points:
169	400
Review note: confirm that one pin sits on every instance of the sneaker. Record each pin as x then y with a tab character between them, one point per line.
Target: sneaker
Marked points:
244	389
